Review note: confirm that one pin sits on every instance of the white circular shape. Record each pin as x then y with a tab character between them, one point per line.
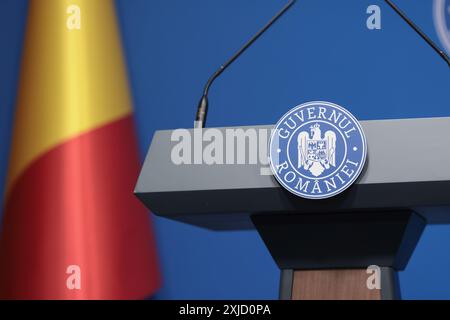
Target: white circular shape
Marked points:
359	156
440	23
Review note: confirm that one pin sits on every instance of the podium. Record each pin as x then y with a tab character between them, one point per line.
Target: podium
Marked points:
346	247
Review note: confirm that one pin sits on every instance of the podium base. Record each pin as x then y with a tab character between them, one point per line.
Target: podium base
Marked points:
326	256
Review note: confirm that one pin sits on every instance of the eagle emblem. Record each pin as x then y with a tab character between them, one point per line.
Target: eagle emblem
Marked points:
317	150
316	153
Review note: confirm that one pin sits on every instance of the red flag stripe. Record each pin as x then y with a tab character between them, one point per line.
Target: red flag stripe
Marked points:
74	205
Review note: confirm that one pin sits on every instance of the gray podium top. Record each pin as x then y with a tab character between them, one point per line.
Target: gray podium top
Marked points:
408	167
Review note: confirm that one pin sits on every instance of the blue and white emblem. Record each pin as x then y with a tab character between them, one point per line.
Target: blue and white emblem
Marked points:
317	150
441	15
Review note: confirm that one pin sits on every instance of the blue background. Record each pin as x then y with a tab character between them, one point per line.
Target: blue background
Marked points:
321	50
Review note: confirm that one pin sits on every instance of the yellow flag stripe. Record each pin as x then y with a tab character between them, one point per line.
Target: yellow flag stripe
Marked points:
72	80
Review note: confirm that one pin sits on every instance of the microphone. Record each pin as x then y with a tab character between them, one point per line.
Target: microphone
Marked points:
420	32
202	110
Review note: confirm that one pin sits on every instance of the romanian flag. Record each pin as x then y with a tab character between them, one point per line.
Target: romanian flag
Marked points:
72	228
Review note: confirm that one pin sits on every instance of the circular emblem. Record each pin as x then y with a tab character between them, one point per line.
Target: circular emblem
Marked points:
441	14
317	150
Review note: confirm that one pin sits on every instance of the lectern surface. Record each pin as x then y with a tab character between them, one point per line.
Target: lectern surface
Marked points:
407	168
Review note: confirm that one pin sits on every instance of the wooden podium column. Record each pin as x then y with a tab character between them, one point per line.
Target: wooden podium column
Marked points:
337	284
345	284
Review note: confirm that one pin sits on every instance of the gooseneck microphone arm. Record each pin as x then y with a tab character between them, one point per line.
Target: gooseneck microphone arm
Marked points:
420	32
202	110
